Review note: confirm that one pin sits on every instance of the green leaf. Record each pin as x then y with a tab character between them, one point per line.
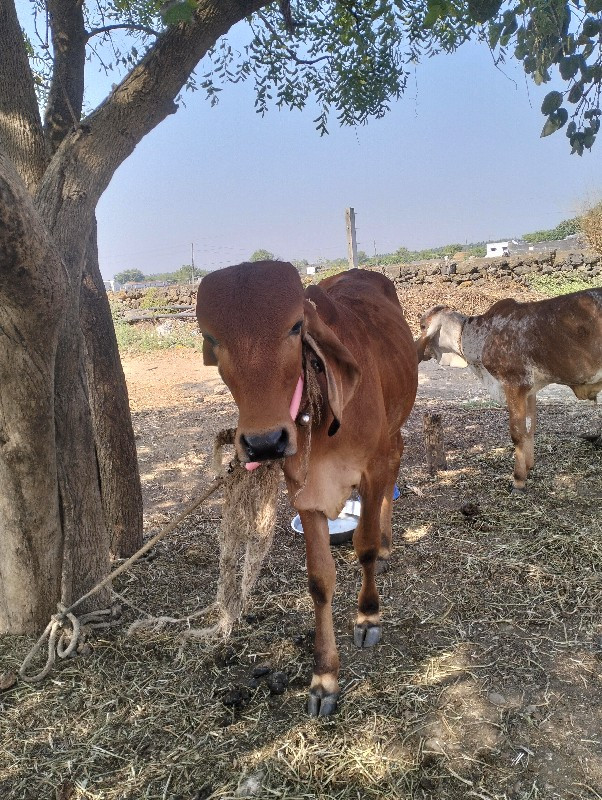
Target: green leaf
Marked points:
591	27
551	102
495	31
588	140
568	67
431	16
510	26
530	64
483	10
576	93
549	128
177	11
520	51
554	122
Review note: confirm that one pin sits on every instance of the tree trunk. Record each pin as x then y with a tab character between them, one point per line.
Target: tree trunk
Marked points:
113	431
32	300
54	543
85	535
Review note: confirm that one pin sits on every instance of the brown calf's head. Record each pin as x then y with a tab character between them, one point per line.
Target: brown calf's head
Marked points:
251	316
254	318
440	337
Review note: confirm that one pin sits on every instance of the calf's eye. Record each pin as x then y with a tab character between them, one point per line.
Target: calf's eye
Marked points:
296	329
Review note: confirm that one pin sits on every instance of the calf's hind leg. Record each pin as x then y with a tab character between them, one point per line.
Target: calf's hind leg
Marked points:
386	509
521	409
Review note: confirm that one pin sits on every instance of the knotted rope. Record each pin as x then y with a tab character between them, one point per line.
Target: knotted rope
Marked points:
63	642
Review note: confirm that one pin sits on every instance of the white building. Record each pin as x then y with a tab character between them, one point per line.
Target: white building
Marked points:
497	249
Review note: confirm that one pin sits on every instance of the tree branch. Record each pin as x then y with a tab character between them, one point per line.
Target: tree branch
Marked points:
290	52
65	99
85	162
123	27
20	125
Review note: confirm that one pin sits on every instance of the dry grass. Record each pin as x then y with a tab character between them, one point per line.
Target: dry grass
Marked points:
590	224
486	684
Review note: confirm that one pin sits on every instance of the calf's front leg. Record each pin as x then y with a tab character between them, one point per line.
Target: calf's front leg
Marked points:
321	578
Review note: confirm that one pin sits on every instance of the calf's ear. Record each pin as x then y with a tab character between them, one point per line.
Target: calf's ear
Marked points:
421	344
342	371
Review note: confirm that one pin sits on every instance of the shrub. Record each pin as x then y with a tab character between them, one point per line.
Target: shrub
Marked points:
142	338
590	224
559	283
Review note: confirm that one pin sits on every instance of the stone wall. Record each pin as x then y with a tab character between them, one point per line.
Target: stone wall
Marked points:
470	271
184	295
475	271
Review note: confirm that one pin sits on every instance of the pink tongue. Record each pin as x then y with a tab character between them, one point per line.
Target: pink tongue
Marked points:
294	410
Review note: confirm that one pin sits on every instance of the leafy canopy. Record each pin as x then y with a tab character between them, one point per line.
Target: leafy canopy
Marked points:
353	56
568	227
262	255
129	275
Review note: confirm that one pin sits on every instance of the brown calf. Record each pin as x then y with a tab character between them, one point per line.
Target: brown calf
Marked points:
518	348
264	333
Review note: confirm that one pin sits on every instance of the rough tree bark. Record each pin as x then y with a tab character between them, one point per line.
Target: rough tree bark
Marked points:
32	303
113	431
51	178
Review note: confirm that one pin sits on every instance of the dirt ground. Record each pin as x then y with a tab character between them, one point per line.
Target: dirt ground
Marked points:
487	682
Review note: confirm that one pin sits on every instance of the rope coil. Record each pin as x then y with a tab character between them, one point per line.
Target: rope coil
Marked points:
63	642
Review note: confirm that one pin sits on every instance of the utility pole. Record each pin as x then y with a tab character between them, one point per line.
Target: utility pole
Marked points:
351	238
192	263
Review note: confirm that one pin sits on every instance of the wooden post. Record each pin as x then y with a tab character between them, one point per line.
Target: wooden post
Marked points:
351	238
433	441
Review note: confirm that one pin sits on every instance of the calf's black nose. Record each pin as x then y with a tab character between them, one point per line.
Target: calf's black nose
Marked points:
265	446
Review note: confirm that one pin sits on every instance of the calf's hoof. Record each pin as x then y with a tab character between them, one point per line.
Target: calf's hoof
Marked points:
321	703
367	634
517	491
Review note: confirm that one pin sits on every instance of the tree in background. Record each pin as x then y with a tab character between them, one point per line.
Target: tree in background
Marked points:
133	275
567	227
69	482
262	255
186	274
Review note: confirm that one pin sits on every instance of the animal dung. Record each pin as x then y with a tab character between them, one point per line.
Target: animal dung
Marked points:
277	682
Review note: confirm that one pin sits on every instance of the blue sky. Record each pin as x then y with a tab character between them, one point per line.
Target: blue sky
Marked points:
458	159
